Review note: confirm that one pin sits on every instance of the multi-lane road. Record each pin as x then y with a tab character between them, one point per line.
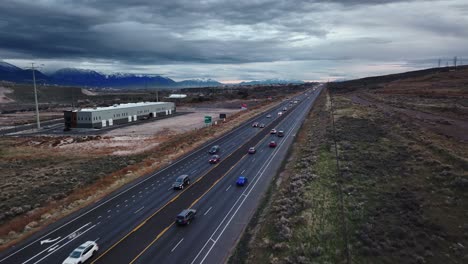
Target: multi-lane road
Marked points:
136	223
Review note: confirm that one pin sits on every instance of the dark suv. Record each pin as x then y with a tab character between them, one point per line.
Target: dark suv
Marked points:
186	216
181	181
214	149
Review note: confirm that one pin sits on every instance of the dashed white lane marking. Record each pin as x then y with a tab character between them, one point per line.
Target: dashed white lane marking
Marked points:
228	188
99	217
108	211
140	192
177	245
253	159
133	196
139	210
126	201
243	172
208	210
117	205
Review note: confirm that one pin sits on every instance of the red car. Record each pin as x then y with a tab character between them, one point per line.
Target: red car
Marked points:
214	159
272	144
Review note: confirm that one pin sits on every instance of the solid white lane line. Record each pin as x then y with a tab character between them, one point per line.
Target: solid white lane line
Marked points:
139	210
56	243
177	245
228	188
245	194
208	210
77	236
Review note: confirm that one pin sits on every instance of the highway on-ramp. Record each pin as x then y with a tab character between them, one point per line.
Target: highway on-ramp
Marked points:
135	224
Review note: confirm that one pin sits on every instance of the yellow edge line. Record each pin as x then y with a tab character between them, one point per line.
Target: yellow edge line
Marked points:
152	242
198	199
170	201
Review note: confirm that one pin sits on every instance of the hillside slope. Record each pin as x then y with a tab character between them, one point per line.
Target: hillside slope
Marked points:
400	192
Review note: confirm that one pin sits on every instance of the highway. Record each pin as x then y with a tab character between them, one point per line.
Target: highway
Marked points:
136	223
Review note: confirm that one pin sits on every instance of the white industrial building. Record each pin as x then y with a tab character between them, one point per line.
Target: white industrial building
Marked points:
117	114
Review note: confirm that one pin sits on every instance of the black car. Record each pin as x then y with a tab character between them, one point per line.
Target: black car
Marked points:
186	216
181	181
280	133
214	149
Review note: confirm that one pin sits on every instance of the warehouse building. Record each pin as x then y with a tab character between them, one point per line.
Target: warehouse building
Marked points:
117	114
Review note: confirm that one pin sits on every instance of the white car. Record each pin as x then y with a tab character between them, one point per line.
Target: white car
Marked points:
82	253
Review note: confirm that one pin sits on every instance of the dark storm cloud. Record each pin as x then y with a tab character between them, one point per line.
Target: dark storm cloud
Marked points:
232	39
146	32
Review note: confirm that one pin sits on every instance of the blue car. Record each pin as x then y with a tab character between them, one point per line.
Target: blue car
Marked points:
241	181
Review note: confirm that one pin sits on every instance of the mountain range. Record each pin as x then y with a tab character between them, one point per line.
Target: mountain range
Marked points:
94	79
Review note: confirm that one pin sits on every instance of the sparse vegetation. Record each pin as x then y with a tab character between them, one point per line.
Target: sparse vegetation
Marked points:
41	182
402	177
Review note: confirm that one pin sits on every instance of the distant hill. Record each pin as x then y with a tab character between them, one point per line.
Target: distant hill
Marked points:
375	81
70	76
11	73
199	83
271	81
90	78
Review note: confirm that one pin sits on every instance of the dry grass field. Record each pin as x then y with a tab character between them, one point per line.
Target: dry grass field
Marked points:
400	193
44	178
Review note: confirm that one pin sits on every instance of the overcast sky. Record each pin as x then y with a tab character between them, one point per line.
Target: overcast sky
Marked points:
235	40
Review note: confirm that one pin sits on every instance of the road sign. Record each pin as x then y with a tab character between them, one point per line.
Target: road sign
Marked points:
207	119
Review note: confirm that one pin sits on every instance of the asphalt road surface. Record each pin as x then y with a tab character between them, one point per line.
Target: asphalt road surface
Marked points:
136	223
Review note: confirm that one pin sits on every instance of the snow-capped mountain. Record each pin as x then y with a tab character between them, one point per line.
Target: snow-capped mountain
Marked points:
271	81
198	83
91	78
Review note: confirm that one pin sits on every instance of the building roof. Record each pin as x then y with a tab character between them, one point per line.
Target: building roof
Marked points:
177	96
121	106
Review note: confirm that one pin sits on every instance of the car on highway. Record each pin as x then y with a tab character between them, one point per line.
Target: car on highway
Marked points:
241	181
268	116
186	216
255	124
214	149
280	133
273	131
272	144
82	253
214	159
285	108
181	181
252	150
261	125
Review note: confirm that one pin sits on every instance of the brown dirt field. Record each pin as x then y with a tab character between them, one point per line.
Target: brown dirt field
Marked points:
40	175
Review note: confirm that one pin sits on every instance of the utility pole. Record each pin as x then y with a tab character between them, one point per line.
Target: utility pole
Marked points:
455	61
439	63
35	97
